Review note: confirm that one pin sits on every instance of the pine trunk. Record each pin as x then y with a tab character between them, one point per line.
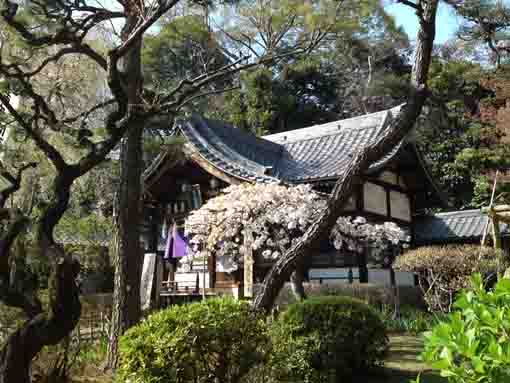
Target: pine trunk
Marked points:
126	310
128	259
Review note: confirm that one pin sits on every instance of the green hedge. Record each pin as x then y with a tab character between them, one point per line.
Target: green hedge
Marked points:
218	340
325	338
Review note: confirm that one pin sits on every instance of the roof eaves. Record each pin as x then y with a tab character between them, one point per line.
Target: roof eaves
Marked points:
240	172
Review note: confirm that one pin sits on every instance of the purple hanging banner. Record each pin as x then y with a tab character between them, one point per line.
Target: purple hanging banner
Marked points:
179	245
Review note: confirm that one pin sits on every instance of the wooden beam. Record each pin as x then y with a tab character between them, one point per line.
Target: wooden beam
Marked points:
211	169
496	209
503	217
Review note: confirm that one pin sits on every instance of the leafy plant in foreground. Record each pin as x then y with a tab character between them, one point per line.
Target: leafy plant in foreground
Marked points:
473	344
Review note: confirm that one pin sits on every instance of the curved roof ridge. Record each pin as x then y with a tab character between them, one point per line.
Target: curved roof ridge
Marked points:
330	128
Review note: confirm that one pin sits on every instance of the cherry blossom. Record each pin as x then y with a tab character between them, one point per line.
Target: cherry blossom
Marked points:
277	216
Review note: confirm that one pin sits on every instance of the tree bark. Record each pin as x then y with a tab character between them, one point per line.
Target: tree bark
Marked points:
398	128
64	308
126	310
128	259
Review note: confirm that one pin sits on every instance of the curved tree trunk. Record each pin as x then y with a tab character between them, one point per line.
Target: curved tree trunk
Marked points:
44	329
64	308
398	128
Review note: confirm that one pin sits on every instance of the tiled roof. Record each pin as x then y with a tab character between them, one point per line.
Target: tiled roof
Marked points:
452	227
235	152
317	152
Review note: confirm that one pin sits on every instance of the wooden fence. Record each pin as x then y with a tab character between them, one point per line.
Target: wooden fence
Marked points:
92	326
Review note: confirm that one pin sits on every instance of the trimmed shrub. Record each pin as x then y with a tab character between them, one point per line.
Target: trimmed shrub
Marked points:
218	340
325	338
445	270
473	343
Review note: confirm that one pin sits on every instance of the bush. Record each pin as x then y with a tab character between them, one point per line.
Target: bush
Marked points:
444	271
324	338
218	340
473	344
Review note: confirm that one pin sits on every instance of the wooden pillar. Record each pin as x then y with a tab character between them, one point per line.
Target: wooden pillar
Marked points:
362	265
211	267
171	270
248	264
158	281
153	227
496	235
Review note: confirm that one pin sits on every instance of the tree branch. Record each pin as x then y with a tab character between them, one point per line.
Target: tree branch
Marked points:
52	153
143	27
15	182
409	4
203	94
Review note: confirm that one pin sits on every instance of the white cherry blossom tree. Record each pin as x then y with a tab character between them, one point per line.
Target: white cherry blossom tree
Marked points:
277	216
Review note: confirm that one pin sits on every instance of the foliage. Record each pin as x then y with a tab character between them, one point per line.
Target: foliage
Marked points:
486	23
473	344
359	67
182	48
411	319
217	340
443	271
277	216
464	132
325	338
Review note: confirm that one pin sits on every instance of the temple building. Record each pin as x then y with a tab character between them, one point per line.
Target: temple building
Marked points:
397	187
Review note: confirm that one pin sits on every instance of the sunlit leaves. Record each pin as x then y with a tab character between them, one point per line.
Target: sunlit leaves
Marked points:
473	344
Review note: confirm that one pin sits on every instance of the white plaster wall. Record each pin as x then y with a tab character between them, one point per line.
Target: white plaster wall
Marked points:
375	276
337	274
388	177
382	277
400	206
189	279
374	198
351	203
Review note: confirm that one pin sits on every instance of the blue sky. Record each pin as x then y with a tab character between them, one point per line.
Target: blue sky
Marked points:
447	21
